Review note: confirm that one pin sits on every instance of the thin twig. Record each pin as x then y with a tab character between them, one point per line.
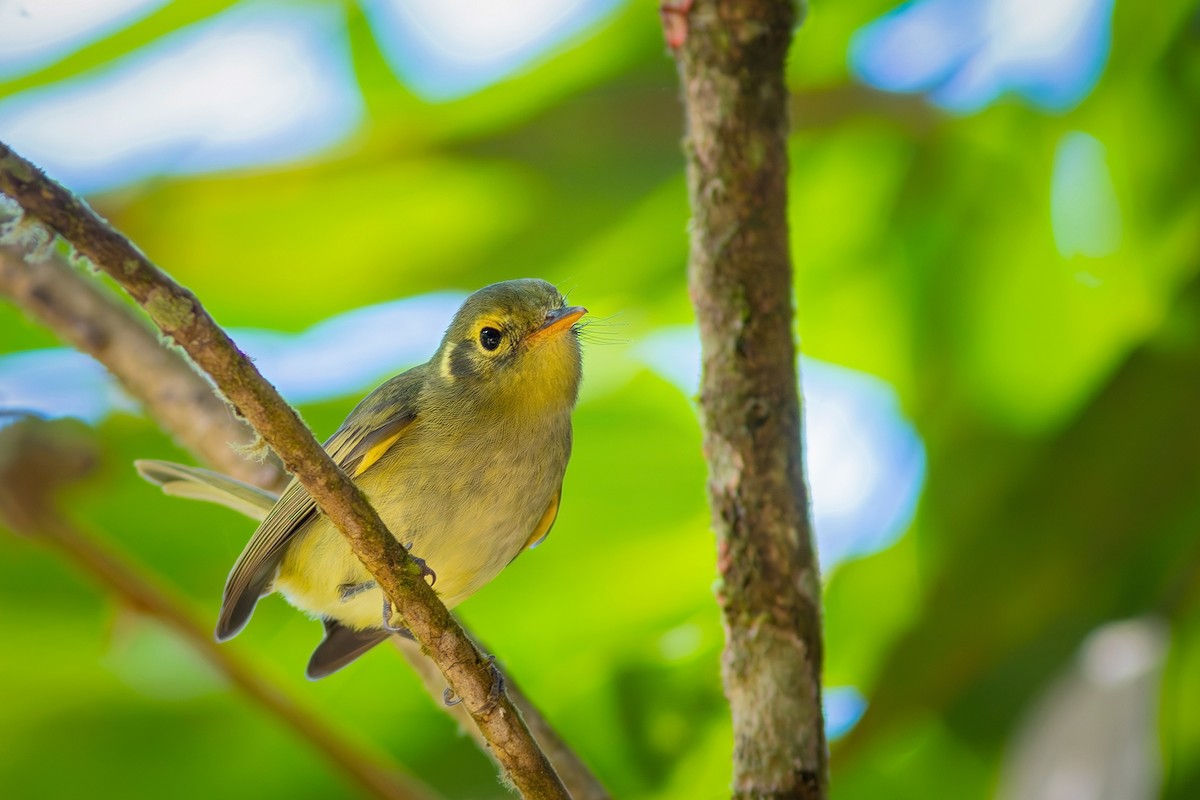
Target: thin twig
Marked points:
35	458
79	311
179	314
576	775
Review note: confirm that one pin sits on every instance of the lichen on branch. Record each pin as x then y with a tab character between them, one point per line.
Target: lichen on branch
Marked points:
731	57
180	316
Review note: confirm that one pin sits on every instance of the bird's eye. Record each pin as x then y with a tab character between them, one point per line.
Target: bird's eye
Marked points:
490	338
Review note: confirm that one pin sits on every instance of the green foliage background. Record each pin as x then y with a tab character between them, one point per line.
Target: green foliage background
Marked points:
1059	417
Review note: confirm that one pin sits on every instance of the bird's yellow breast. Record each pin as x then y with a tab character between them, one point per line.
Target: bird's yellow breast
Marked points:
462	496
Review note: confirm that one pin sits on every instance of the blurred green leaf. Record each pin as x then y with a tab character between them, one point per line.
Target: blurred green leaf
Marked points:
1055	397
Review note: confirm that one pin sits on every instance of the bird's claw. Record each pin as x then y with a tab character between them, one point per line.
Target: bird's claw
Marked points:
426	571
387	618
495	694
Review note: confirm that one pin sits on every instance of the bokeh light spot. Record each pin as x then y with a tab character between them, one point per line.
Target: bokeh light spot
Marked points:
965	54
448	48
34	33
844	707
257	85
1083	201
865	461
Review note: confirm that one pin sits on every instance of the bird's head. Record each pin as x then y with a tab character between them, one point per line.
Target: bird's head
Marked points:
514	343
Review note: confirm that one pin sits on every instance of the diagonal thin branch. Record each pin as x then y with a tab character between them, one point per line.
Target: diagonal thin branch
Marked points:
36	457
576	775
80	312
181	317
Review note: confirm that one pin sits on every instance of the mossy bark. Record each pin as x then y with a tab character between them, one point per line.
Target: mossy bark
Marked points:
181	317
731	61
79	311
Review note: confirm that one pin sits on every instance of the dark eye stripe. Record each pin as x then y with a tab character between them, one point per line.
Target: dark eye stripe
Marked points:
460	359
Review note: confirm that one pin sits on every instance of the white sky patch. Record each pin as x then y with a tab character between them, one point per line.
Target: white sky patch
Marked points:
58	383
966	55
448	48
257	85
865	461
844	707
1035	29
352	351
338	357
34	33
483	30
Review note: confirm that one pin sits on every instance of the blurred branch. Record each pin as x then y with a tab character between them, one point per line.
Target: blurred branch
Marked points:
576	776
826	107
80	312
731	62
87	318
180	316
36	459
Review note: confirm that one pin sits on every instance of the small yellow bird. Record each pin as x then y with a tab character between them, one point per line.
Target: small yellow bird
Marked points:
463	457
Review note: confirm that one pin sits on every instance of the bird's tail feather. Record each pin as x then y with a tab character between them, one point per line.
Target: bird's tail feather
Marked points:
202	484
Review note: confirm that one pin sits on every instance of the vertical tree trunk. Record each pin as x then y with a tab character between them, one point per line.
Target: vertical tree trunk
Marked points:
731	58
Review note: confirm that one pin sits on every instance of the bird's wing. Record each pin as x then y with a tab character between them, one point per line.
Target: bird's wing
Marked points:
373	427
545	523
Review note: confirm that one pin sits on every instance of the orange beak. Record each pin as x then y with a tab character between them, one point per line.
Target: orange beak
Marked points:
560	319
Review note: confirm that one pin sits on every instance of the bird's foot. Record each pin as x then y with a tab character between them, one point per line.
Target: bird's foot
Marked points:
349	591
387	618
495	694
426	572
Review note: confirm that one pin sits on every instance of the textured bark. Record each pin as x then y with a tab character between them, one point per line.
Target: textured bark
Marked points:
181	317
576	775
172	392
731	61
